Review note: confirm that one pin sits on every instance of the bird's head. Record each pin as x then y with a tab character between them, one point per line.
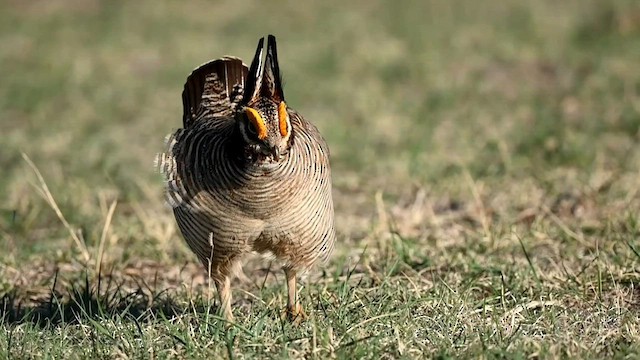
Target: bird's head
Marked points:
263	117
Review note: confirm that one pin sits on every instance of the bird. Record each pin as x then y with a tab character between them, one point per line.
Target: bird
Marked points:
247	174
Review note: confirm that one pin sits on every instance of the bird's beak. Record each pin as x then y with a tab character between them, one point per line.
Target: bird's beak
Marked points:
275	152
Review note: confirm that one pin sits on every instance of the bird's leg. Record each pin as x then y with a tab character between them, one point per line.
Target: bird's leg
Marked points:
240	275
224	293
294	309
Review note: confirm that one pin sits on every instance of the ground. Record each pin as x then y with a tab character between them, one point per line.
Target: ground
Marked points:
486	170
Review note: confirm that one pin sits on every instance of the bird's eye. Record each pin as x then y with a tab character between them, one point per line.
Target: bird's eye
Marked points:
257	125
250	128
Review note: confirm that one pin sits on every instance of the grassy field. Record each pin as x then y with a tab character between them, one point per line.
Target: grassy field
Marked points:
486	160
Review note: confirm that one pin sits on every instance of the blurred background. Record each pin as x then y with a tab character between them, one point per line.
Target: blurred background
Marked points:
498	112
486	163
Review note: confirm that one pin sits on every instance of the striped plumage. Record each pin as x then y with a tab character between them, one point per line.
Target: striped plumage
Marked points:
248	174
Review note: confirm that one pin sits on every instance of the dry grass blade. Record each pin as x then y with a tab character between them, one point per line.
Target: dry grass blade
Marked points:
366	321
473	186
577	237
46	194
103	237
528	306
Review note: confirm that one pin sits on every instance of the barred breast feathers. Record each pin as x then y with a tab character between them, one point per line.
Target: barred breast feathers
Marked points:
212	190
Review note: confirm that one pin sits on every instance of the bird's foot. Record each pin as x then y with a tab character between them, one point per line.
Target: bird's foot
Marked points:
295	314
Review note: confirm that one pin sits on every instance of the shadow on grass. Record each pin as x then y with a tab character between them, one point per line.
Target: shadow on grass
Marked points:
102	300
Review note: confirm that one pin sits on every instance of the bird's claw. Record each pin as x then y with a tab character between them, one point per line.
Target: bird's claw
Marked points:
295	314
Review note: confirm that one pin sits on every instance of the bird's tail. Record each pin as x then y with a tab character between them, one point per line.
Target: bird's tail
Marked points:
215	87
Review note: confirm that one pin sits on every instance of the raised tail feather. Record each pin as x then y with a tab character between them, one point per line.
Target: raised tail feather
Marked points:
214	88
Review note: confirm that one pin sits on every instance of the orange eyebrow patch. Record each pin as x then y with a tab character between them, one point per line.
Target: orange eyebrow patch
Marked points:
282	116
258	122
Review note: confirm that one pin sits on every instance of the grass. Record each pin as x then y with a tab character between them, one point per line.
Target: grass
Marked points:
486	161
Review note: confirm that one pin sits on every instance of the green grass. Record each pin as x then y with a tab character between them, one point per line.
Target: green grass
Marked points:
486	162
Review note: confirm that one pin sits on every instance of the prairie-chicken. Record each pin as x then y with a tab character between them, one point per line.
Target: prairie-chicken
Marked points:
247	173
